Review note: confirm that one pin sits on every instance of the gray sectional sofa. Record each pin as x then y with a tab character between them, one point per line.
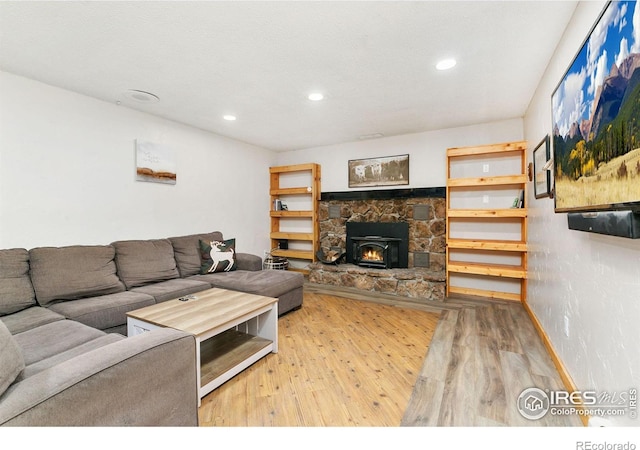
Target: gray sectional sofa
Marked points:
65	359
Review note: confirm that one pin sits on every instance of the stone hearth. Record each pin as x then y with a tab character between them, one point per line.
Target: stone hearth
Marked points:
416	283
423	209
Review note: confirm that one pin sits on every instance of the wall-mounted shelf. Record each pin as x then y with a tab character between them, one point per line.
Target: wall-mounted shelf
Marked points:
476	244
479	180
487	213
292	213
488	181
293	236
302	244
495	270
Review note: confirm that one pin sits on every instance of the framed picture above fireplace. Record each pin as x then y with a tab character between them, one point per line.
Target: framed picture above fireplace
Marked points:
383	171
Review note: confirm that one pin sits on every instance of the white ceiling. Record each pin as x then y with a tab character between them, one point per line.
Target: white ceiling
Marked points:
373	60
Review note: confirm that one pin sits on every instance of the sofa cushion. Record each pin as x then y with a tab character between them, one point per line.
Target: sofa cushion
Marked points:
270	283
44	364
67	273
187	251
11	357
53	338
172	289
16	291
217	256
105	311
247	261
30	318
143	262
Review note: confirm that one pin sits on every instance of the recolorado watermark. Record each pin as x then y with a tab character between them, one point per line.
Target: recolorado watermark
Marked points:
535	403
589	445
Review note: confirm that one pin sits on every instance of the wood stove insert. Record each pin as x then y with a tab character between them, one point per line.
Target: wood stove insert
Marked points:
376	251
378	244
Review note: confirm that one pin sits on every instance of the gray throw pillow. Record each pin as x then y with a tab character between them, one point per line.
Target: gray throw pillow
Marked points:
11	357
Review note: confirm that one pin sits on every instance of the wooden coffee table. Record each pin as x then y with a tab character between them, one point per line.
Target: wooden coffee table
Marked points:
232	329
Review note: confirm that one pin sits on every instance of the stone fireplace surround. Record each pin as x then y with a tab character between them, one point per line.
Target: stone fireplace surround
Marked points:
423	209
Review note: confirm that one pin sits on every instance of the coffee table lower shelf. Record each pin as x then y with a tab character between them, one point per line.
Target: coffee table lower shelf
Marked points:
227	354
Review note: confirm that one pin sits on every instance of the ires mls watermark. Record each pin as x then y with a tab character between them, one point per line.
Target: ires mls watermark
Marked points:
535	403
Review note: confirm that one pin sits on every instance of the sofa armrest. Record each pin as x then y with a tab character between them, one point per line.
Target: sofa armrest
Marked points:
144	380
247	261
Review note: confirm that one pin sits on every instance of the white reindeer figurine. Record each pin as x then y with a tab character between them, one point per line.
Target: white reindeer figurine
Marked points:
217	256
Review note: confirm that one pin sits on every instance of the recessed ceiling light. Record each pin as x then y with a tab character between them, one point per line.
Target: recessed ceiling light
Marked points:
446	64
229	117
141	96
315	96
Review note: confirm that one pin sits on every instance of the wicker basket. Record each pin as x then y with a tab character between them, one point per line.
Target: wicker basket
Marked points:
275	263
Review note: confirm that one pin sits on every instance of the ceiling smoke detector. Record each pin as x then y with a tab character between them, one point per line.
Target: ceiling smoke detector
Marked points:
141	96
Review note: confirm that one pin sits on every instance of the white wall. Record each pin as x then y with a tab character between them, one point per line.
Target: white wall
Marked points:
427	153
67	174
592	279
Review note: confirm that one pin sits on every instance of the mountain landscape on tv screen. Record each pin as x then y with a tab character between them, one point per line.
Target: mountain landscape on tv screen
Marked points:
597	156
614	126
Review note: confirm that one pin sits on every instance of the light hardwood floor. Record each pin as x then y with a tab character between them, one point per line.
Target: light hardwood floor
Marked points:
480	359
349	358
340	362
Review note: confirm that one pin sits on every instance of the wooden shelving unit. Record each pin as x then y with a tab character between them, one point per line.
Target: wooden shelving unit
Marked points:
305	243
482	183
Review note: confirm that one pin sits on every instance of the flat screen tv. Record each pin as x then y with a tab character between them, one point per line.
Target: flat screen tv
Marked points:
596	117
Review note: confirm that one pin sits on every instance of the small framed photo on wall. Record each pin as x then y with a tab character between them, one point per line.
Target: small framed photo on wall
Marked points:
541	174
